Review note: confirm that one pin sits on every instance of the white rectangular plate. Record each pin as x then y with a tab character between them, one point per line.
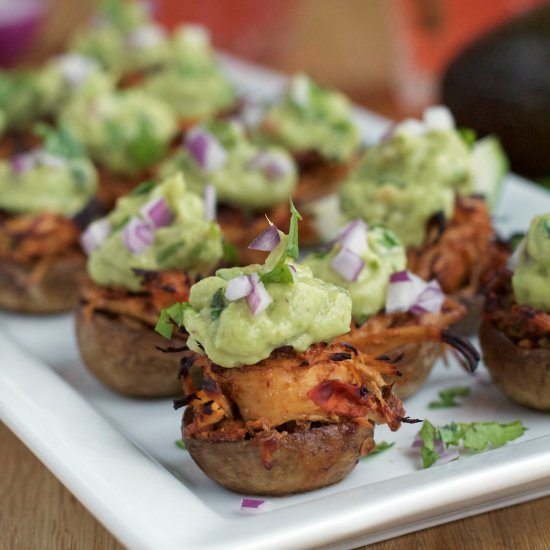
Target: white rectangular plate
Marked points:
118	455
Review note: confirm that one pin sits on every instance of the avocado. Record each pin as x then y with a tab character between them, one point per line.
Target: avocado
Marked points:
500	84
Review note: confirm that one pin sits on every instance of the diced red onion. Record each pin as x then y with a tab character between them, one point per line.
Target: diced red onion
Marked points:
354	237
255	505
95	235
146	36
194	35
259	299
293	272
417	441
137	236
237	288
429	300
76	68
347	264
22	163
513	260
267	240
439	118
44	158
447	456
407	292
299	91
410	126
210	203
400	277
207	151
157	212
275	166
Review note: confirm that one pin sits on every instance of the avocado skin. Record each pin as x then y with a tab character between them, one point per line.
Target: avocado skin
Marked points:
501	85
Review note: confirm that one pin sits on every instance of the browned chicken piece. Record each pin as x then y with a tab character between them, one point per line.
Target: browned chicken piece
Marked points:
463	255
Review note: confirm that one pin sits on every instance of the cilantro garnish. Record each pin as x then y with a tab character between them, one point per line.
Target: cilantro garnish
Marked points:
181	444
380	448
217	305
230	253
468	136
143	188
145	149
281	273
169	317
292	249
447	398
59	142
165	253
546	225
475	436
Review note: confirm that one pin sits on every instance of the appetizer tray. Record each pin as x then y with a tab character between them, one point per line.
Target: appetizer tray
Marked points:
119	457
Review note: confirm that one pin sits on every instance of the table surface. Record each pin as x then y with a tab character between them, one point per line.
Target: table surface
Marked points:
36	511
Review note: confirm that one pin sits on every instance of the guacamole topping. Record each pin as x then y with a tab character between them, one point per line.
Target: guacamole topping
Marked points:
75	76
312	118
300	313
25	97
407	178
125	131
383	255
191	80
532	274
183	240
55	178
247	176
123	38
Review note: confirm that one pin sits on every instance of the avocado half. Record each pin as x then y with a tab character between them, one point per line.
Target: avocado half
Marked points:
500	85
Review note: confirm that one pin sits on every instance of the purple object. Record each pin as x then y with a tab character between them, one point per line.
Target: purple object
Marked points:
157	212
259	299
347	264
95	235
239	287
137	236
19	21
267	240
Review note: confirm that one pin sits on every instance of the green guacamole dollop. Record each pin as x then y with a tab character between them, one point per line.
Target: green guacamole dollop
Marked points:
385	255
312	118
40	181
190	242
404	181
191	80
531	280
75	77
126	131
123	38
241	180
301	314
25	96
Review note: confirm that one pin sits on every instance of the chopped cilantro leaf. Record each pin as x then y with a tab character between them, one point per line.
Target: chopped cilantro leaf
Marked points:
181	444
546	225
145	149
170	316
230	253
292	248
164	253
59	142
279	274
380	448
447	398
143	188
475	436
468	136
217	305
